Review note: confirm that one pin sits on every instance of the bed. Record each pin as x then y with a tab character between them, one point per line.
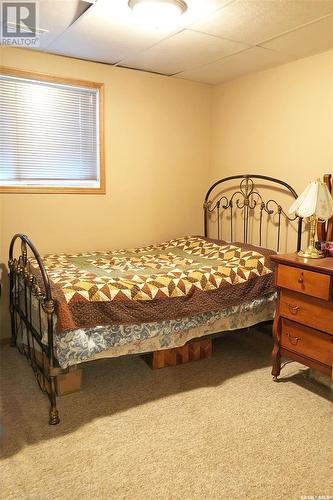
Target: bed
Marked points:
67	310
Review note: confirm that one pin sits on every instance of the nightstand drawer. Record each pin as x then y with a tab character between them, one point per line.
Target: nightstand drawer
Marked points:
303	281
306	310
307	342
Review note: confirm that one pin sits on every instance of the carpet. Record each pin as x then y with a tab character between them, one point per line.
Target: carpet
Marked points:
214	429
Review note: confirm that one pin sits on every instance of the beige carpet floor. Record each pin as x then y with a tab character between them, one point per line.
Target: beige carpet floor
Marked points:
213	429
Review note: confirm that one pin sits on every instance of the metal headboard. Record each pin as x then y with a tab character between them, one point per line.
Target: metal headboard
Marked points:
248	200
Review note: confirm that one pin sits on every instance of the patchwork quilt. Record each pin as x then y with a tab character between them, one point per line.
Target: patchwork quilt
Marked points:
179	278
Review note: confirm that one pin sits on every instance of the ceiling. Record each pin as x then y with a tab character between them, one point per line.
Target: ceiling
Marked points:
214	41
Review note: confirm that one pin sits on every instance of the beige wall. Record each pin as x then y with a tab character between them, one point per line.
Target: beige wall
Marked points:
157	138
277	122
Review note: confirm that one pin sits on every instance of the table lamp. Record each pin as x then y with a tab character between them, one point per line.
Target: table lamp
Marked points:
315	203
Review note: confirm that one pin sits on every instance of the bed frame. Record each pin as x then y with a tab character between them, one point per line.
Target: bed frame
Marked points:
24	285
250	202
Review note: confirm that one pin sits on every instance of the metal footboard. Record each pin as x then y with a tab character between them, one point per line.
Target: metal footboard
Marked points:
32	337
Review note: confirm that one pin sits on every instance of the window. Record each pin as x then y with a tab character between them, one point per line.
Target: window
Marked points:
51	134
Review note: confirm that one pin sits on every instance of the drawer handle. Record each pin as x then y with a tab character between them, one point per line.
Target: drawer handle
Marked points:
293	309
301	278
293	340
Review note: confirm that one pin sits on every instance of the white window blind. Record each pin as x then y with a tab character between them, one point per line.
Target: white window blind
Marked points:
49	134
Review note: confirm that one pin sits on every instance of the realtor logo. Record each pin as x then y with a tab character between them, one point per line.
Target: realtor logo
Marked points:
19	23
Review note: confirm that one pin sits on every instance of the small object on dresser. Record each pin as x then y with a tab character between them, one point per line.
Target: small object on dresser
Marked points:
303	324
315	203
327	248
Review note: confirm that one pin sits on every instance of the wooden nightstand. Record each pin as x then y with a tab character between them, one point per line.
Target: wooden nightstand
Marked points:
303	325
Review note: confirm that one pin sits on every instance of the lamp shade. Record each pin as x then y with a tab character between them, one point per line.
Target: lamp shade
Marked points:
315	200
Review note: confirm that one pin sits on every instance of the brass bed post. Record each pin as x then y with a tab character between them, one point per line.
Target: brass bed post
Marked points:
49	309
206	216
11	303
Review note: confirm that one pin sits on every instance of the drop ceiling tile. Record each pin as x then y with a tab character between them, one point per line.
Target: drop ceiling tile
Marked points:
55	16
228	68
182	51
200	9
306	41
109	31
255	21
105	33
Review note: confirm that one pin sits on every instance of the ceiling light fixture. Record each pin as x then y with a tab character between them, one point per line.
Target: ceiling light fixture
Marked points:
158	13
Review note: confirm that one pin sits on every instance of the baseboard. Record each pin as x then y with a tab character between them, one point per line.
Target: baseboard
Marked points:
5	341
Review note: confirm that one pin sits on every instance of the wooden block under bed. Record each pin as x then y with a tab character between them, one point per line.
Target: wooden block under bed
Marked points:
69	382
65	383
192	351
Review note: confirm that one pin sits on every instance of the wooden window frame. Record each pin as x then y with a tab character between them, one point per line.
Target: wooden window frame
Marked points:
59	189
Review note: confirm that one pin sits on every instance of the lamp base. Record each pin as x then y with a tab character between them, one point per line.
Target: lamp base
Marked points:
311	253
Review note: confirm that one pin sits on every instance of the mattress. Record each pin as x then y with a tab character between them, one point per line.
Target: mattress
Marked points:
180	278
